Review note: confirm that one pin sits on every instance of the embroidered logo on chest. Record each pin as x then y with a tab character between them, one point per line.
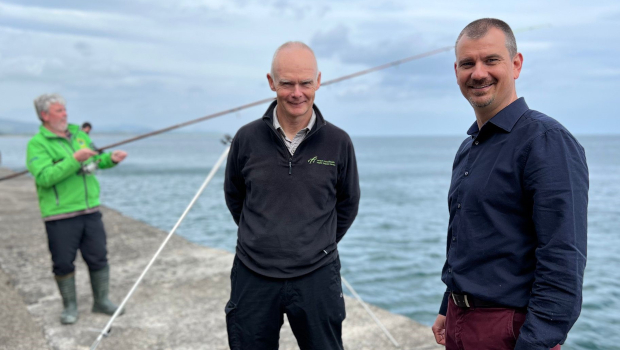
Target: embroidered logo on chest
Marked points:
81	142
315	160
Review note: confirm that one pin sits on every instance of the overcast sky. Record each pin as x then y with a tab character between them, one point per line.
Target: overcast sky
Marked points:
156	62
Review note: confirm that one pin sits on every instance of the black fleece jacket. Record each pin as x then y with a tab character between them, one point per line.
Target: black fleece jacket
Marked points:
291	210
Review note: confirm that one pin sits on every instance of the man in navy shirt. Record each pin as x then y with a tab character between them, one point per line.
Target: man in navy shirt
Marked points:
518	211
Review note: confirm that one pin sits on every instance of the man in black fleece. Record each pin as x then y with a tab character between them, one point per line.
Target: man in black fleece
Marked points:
292	188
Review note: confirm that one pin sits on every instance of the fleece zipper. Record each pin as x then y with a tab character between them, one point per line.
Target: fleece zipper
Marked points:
269	123
70	142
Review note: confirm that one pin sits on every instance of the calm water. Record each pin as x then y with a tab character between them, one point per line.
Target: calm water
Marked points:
394	252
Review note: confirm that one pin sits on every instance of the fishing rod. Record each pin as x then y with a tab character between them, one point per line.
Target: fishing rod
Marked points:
106	329
259	102
227	141
256	103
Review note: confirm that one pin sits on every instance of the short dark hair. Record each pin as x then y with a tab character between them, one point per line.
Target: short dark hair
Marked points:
479	28
86	125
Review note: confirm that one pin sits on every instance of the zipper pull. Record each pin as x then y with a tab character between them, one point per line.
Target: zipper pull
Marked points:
290	166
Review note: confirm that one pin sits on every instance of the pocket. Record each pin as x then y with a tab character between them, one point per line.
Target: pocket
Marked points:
231	325
518	319
56	195
336	290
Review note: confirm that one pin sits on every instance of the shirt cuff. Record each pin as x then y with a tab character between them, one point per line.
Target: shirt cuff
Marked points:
524	345
443	310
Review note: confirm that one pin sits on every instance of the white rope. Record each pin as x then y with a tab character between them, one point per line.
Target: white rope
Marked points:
106	329
372	315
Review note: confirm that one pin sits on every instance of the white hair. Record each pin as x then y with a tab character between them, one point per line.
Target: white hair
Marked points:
297	44
43	103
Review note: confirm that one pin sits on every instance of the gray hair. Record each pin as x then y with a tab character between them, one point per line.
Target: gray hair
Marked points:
297	44
479	28
43	103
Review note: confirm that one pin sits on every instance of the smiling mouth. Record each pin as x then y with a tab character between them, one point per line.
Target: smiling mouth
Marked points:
481	87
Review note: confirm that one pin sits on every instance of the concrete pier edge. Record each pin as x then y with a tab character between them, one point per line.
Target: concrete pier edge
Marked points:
180	304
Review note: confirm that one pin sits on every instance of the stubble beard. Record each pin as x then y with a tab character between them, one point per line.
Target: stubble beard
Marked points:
482	104
59	126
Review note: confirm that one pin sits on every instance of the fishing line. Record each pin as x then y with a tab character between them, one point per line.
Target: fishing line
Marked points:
256	103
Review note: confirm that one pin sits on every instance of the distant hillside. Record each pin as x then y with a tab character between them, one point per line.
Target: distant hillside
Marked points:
8	126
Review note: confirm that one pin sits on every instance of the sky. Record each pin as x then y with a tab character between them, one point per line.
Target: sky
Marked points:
155	63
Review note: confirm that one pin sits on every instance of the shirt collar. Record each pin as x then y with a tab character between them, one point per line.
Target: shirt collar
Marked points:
276	123
506	118
71	128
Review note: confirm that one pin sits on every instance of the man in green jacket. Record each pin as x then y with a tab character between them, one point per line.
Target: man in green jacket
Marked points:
63	160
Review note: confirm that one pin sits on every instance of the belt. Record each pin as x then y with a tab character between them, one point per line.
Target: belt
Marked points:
467	301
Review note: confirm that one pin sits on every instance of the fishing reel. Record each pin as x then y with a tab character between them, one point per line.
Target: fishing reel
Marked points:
89	168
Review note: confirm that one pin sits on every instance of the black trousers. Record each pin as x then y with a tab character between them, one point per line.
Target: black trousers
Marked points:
66	236
313	304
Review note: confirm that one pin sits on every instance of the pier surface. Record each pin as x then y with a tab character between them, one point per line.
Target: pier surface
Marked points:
179	305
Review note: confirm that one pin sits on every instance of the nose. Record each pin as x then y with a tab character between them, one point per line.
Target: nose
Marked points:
479	72
297	92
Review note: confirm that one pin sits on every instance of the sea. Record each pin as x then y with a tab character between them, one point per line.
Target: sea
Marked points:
394	252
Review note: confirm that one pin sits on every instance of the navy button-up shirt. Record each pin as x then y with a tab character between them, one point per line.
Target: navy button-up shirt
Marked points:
518	221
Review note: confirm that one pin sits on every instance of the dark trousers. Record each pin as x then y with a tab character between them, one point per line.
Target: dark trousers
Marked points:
313	304
66	236
483	328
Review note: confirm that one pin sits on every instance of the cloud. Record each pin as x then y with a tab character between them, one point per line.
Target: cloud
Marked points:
336	43
155	62
83	48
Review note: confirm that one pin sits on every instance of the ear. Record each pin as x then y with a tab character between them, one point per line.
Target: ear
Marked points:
456	74
44	116
517	64
318	81
272	84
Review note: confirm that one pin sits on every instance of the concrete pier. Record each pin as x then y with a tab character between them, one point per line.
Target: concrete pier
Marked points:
179	305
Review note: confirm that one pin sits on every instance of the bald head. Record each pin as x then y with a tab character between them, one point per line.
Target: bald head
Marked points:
292	49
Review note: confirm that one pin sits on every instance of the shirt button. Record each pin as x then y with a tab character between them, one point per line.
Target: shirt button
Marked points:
453	239
476	143
466	173
450	270
458	206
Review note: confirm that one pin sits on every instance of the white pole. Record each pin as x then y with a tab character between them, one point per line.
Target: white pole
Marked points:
135	286
385	331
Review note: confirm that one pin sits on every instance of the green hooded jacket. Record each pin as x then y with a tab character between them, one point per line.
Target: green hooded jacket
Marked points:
61	185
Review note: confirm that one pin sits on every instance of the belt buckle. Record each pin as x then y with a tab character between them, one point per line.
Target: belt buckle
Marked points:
464	299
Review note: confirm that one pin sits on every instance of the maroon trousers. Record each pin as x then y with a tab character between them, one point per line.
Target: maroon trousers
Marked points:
483	328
